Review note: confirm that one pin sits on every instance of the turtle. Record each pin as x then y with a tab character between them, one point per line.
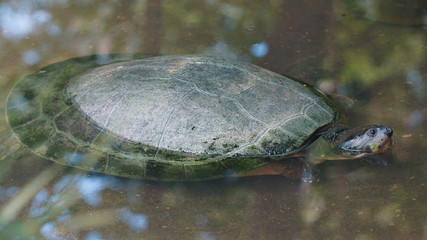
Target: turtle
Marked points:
180	118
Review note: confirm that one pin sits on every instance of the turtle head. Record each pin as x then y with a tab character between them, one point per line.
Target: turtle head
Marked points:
361	141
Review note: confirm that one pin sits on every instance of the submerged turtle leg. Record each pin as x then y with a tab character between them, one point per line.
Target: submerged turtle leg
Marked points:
292	168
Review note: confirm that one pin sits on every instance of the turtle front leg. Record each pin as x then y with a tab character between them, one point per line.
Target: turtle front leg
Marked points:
292	168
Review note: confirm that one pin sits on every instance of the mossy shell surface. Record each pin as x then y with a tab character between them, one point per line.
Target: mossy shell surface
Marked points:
168	118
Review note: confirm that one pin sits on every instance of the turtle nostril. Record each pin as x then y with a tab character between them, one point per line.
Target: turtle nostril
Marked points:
389	131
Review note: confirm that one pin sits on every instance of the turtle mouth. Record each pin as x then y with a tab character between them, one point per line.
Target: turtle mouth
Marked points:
385	142
385	145
382	143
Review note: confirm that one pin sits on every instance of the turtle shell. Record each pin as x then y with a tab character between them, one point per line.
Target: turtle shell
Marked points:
169	118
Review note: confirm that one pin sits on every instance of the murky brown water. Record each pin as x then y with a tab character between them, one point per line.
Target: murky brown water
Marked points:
371	51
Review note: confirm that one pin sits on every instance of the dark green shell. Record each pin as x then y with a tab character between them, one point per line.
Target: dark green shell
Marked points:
169	118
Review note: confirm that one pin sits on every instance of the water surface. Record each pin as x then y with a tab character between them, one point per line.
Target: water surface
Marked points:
373	52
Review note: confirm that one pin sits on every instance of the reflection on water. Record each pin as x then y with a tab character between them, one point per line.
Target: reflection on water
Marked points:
259	49
371	51
50	208
417	85
21	18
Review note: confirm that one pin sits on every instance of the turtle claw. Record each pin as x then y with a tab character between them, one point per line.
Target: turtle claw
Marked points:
309	173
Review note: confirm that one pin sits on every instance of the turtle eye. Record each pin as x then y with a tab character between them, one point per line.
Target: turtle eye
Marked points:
372	132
